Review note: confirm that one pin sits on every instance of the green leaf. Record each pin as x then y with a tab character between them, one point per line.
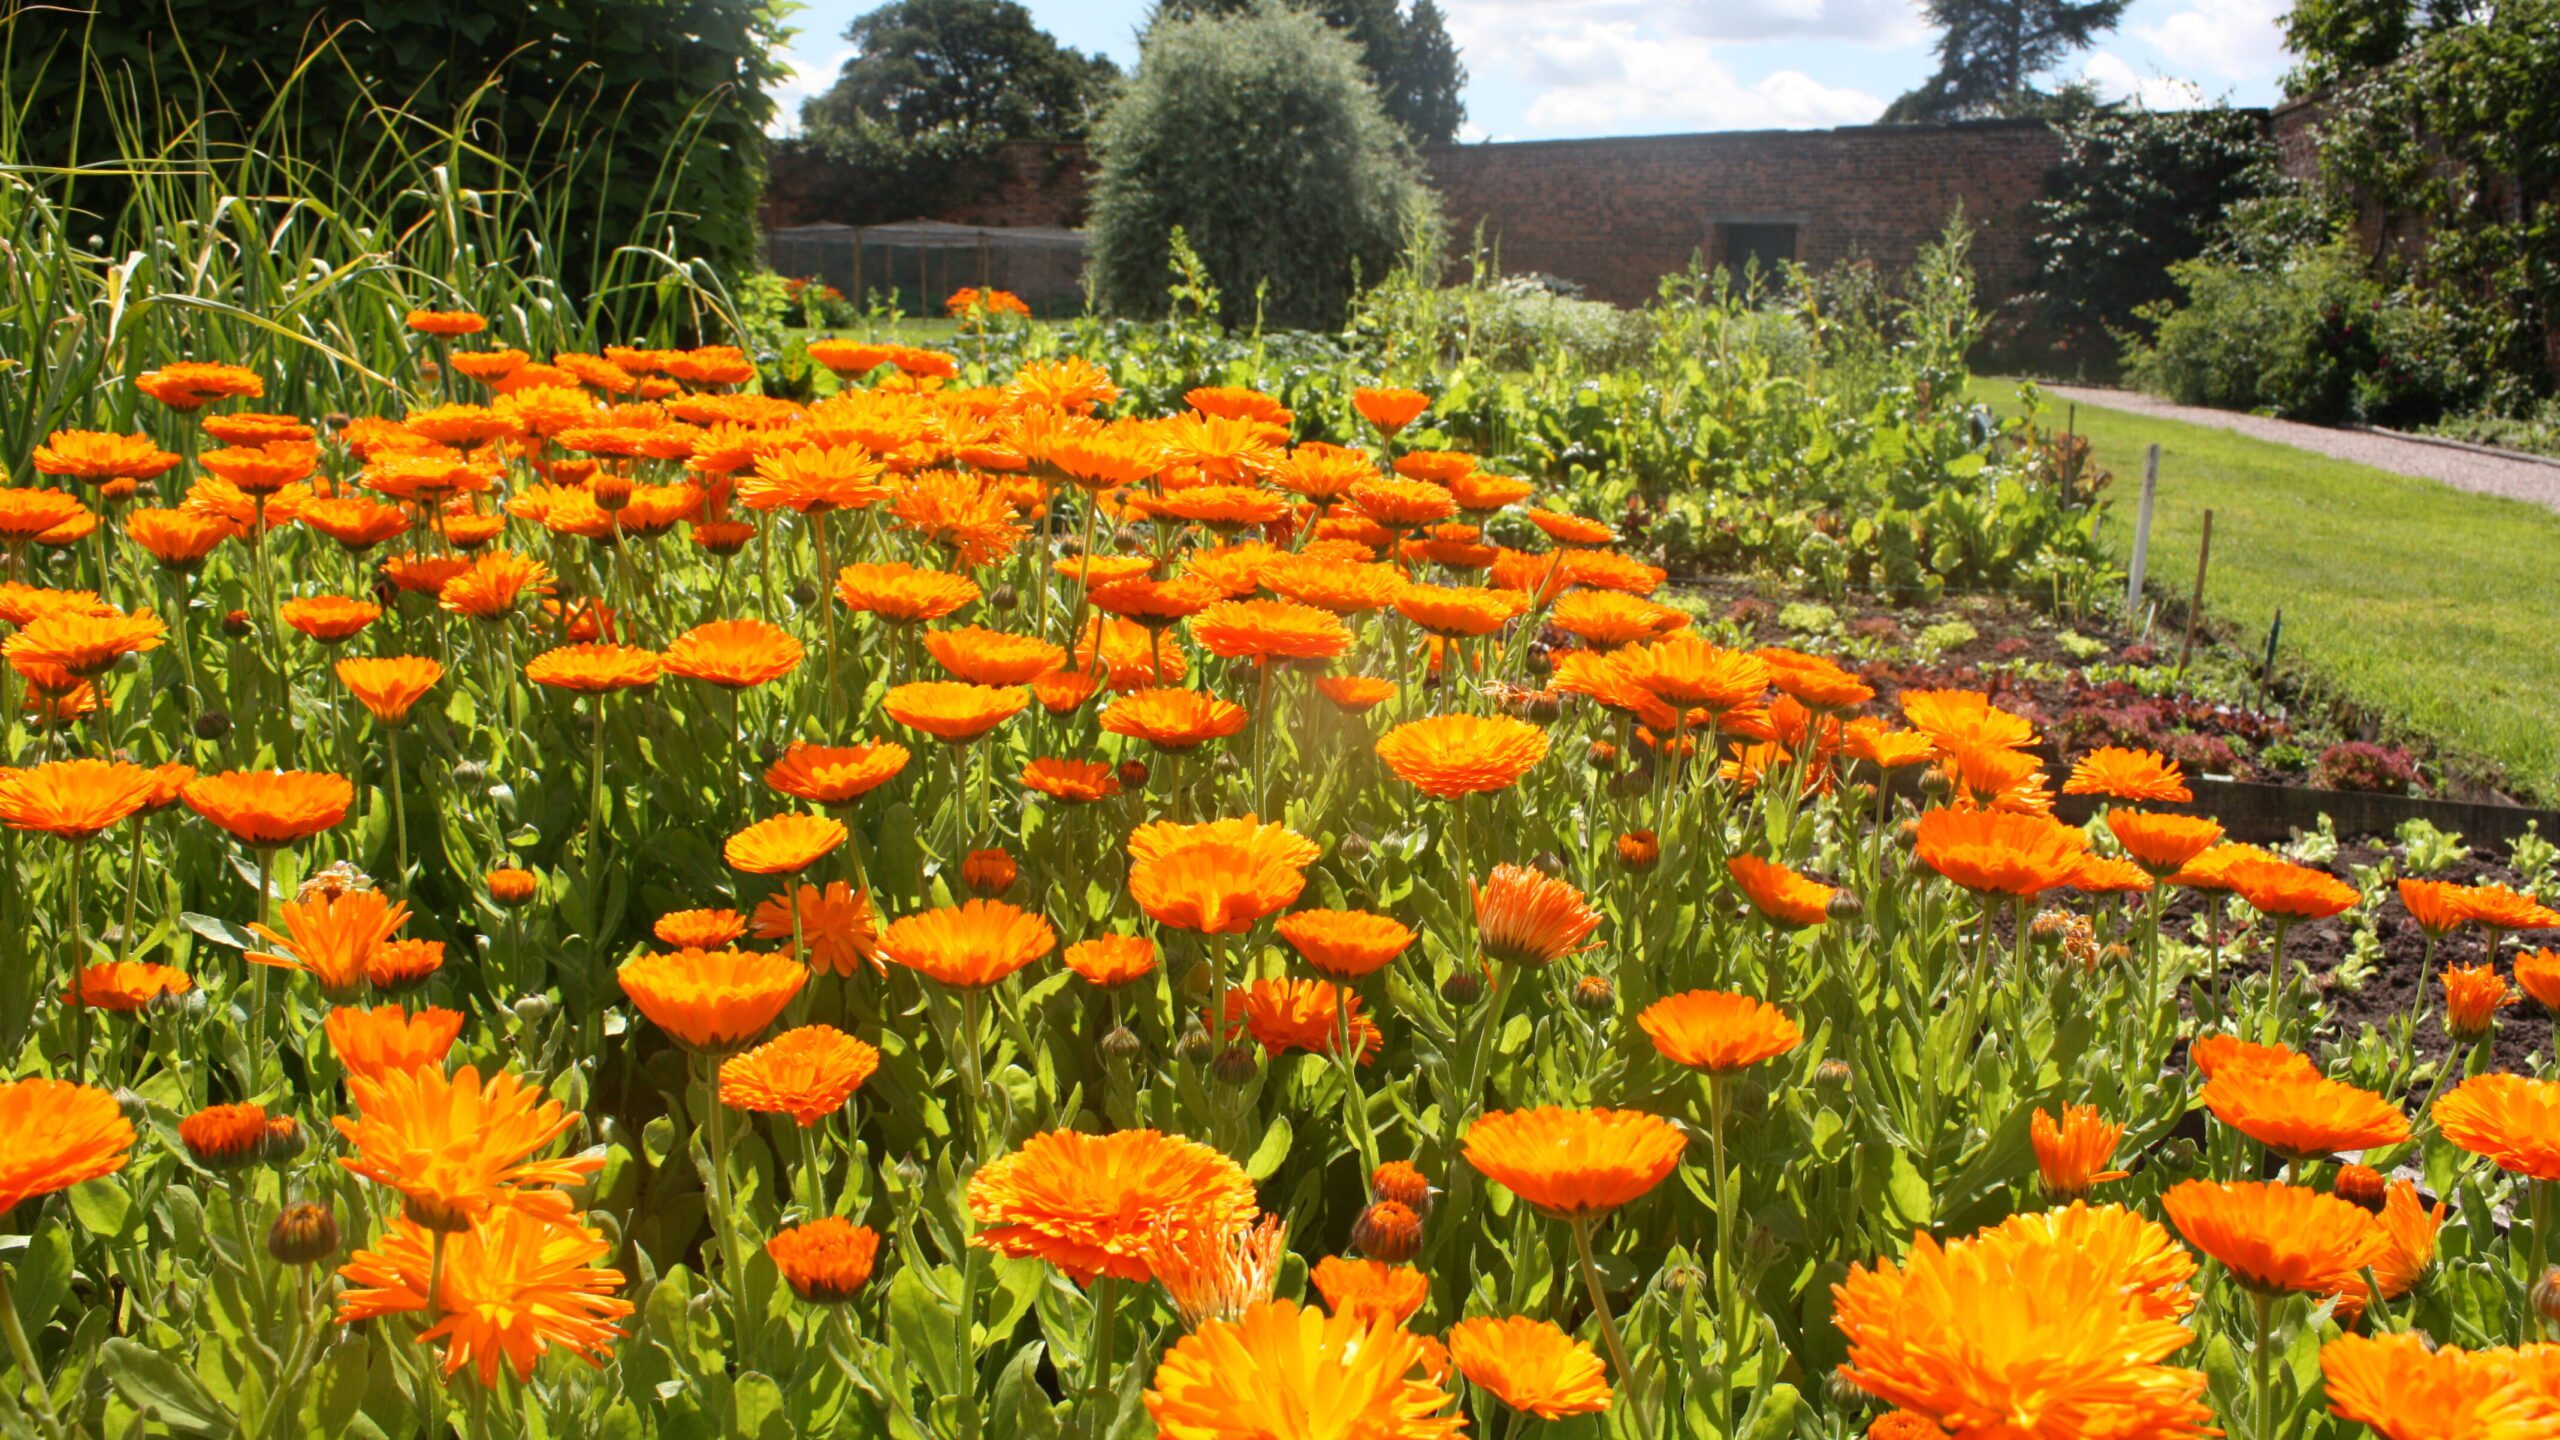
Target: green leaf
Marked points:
101	1206
161	1390
1273	1149
219	931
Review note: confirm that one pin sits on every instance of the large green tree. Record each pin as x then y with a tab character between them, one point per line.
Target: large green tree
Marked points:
1991	53
2336	39
1407	53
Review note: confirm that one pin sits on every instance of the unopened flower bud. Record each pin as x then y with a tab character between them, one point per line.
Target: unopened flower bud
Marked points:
1603	755
2545	1296
1907	835
285	1141
1465	986
1639	850
804	595
1133	774
1238	1063
1402	1182
2360	1185
235	623
1834	1077
1122	1044
1593	995
1198	1048
1355	847
1388	1232
303	1234
988	873
1936	785
212	723
1845	905
1003	597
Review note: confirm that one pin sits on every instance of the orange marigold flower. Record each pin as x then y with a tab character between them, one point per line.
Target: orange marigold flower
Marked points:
1370	1289
1530	1365
835	774
2212	870
827	1261
993	657
1993	852
1717	1032
264	808
357	524
176	539
1110	960
2406	1390
397	965
445	323
85	645
1216	879
389	686
225	1137
1345	944
1223	508
2473	995
2435	904
2215	1054
1387	408
1815	682
60	1134
2121	774
2286	891
1228	1380
493	584
73	799
1330	586
2074	1150
1088	1204
457	1148
712	1000
1072	780
699	929
1607	619
1525	917
2538	971
734	654
2275	1238
125	986
2302	1113
988	872
808	1074
1688	670
1876	743
1448	756
98	456
387	1038
1216	1273
2066	1319
1574	1164
29	514
2162	844
1155	603
2409	1232
332	937
594	669
194	384
2499	908
520	1284
262	470
329	619
1639	849
1355	693
1783	896
783	844
813	479
836	924
1457	612
511	887
2511	1120
1062	691
1270	629
951	710
1173	719
1284	1015
968	946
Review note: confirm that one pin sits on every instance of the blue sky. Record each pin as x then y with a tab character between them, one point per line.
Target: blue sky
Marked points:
1540	69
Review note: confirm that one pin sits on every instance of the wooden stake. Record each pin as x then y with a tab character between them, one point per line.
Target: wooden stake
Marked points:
2195	605
2142	530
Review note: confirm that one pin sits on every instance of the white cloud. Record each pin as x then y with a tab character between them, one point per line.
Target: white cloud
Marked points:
1615	78
807	78
2116	79
2231	39
1489	26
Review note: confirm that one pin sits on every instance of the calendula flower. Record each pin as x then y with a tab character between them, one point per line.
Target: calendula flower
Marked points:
904	594
511	887
1687	670
98	456
1606	620
445	324
193	384
2409	1234
827	1261
73	799
2302	1114
1403	504
1285	1015
594	669
1525	917
388	1039
1459	612
2213	1055
982	656
2538	972
2074	1150
2406	1390
1215	883
2473	995
2499	908
176	539
457	1148
124	987
1089	1204
1270	629
493	584
1216	1273
357	524
733	654
989	872
1780	894
1111	960
1387	408
1370	1289
397	965
707	929
953	711
807	1073
2283	890
2146	776
2163	844
389	686
968	946
1448	756
332	938
835	924
1530	1365
2435	904
83	644
1345	944
1573	1164
519	1285
2512	1120
224	1137
1282	1373
60	1134
1077	781
1999	853
783	844
814	479
835	774
2063	1339
1355	693
712	1000
2278	1238
1717	1032
1173	720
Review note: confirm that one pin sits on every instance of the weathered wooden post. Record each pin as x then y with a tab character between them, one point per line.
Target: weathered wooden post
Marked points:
2142	530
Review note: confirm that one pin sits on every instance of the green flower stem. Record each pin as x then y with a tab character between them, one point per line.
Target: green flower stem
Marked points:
30	1373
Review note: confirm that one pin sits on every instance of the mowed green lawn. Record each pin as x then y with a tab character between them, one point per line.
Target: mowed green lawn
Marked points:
2434	608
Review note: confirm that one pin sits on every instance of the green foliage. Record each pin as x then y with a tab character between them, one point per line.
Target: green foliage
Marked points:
2288	341
1260	137
1410	59
933	87
2339	39
609	123
1991	52
2136	192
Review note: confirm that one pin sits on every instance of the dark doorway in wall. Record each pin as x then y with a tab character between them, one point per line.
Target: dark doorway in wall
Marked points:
1766	244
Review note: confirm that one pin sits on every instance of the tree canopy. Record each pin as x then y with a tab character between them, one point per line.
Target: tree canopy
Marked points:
1407	54
1992	52
965	72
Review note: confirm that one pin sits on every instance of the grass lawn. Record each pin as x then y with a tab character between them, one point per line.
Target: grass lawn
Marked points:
2431	607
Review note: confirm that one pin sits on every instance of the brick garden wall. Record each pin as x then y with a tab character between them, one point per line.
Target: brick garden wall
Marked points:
1616	215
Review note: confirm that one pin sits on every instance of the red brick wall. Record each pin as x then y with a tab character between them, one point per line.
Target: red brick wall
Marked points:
1616	215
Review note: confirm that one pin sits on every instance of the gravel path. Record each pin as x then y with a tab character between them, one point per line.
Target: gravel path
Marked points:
2523	478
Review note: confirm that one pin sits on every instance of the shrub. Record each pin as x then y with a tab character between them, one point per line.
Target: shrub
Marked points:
2362	765
2290	340
1258	135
